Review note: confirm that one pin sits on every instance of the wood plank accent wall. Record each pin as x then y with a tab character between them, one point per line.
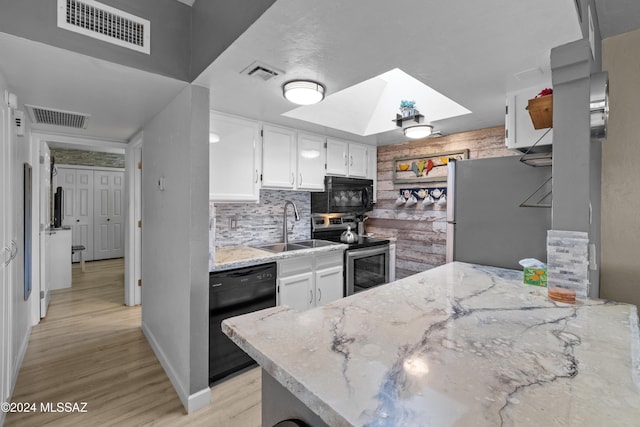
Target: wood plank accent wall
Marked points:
420	232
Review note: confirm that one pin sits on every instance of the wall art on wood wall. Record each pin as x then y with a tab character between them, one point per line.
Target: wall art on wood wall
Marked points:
425	168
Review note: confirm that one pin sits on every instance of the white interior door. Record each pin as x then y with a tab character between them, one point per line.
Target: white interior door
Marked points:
45	221
77	185
108	215
82	230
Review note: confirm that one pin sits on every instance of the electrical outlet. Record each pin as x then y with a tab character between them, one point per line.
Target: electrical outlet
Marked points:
233	223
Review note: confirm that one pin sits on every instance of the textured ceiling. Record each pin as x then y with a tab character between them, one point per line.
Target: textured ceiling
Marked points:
469	54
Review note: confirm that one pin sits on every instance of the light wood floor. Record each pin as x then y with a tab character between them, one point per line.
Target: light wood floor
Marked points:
90	349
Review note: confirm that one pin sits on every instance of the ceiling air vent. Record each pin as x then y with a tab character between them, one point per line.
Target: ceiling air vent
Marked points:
48	116
262	71
105	23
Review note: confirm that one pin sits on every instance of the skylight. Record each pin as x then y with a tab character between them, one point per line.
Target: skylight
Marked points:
369	107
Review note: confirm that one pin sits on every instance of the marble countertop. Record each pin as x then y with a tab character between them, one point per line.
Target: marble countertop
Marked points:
458	345
231	257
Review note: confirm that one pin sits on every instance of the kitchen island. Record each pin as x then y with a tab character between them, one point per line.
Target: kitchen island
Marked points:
461	344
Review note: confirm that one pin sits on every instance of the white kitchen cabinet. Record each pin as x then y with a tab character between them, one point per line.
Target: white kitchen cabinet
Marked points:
358	160
337	157
278	157
519	132
234	159
310	165
59	271
347	158
297	291
308	281
326	289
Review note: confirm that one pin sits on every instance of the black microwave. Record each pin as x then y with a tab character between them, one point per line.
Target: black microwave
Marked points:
343	195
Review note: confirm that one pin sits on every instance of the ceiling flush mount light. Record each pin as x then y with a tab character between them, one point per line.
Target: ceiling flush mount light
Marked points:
418	131
303	92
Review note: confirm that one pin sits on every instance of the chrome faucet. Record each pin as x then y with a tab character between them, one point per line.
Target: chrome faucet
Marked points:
285	232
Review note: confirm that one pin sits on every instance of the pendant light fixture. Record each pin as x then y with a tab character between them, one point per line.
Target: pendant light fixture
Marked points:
303	92
418	131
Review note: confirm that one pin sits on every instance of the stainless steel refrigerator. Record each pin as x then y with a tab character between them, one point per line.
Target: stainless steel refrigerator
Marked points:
486	223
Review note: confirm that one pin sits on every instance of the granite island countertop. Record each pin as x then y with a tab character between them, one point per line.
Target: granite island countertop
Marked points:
230	257
458	345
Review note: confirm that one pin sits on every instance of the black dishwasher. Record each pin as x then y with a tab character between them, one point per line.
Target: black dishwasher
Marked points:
232	293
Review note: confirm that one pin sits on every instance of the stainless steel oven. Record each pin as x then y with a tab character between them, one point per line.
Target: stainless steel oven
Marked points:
366	261
366	268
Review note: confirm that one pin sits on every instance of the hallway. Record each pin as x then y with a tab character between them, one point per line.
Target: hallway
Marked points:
90	348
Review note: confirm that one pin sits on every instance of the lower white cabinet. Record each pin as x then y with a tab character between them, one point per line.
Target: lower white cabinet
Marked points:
60	255
308	281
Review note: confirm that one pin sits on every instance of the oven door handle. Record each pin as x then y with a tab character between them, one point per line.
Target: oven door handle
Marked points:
367	252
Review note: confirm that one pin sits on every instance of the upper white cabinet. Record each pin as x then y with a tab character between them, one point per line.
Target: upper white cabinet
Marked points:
292	160
311	159
347	158
278	157
358	160
520	133
234	159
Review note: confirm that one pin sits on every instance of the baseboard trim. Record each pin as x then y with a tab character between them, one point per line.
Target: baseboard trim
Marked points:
19	360
199	400
191	402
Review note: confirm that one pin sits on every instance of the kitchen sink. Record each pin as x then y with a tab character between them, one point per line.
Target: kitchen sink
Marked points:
281	247
314	243
294	246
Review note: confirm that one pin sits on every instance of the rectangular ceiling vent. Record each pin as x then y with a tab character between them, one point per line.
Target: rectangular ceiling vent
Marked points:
105	23
49	116
262	71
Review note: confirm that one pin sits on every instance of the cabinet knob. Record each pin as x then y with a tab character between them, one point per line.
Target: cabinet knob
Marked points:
257	176
108	219
319	294
293	178
77	220
300	182
351	160
310	296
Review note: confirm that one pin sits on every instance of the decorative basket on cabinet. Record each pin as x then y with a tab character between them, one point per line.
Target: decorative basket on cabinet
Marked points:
541	111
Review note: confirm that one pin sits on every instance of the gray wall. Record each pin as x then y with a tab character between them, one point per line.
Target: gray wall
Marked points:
584	25
576	158
65	156
216	24
184	40
170	33
620	267
174	254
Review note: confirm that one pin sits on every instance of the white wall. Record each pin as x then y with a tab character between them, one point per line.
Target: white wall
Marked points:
175	242
16	310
